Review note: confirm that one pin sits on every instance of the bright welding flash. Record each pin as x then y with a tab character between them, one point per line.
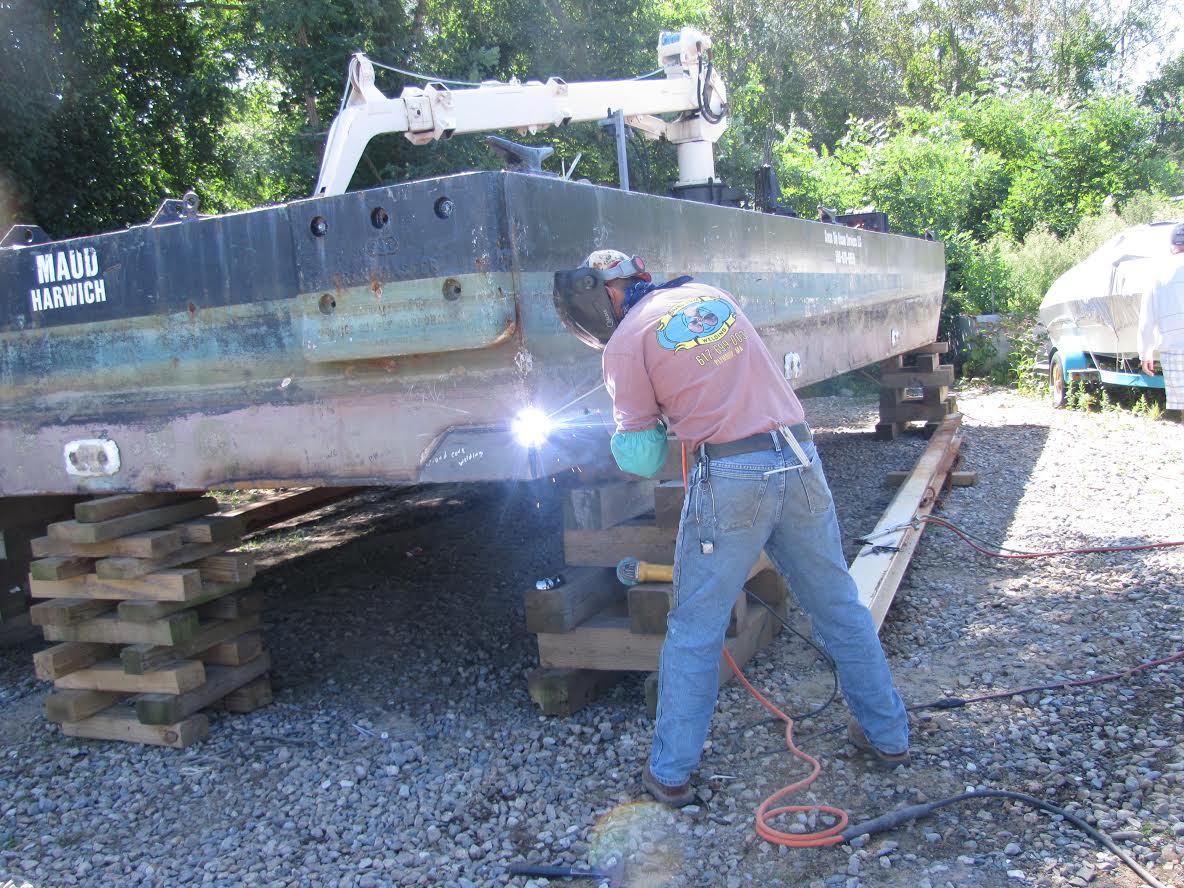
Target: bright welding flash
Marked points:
531	427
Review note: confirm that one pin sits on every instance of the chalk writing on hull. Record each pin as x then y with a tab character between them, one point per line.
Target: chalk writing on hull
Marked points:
67	279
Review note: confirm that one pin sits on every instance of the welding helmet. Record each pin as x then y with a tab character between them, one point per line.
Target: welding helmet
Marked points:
581	300
1178	238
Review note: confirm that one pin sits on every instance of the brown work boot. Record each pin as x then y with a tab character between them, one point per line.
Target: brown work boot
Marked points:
674	796
885	759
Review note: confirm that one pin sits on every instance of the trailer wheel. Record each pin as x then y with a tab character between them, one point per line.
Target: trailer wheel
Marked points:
1058	388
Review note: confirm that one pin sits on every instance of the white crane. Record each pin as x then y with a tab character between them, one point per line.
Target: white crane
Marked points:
691	89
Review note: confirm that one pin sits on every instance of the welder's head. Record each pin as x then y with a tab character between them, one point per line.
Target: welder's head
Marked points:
1178	238
589	299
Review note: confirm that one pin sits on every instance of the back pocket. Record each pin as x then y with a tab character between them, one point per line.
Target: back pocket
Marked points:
735	502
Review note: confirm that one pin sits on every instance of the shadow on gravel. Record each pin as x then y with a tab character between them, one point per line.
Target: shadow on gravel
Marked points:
430	577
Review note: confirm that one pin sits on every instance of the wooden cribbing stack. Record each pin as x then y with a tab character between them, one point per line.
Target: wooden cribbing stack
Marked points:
592	629
915	387
153	615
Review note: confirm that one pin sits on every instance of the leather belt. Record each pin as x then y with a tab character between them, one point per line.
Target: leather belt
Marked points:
753	443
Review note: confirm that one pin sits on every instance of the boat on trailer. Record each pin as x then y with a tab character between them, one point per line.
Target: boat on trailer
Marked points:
1092	311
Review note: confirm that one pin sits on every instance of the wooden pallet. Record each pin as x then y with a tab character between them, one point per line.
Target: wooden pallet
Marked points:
154	616
592	630
915	387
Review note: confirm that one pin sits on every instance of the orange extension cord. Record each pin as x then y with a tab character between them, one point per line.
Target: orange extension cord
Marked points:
766	811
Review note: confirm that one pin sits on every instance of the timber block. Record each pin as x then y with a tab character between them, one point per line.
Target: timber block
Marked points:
887	431
165	709
253	695
122	568
564	692
140	658
607	505
108	507
71	705
210	604
68	611
650	603
174	678
606	642
668	500
62	659
933	348
586	590
234	652
109	629
167	585
121	724
147	544
151	519
59	567
914	378
605	548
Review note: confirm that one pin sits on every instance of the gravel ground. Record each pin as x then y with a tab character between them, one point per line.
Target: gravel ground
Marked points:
402	748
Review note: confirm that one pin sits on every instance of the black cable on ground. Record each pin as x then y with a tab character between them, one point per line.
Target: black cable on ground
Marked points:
897	818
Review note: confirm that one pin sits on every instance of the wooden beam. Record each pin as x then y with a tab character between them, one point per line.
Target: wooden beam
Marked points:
68	611
163	709
211	529
108	507
233	567
564	692
140	658
146	544
147	611
908	377
235	652
60	567
109	629
283	506
182	584
605	642
605	548
253	695
62	659
668	500
173	678
65	706
878	566
586	591
124	726
151	519
130	568
607	505
957	479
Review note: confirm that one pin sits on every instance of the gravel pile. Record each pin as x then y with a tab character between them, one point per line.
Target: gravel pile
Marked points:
403	749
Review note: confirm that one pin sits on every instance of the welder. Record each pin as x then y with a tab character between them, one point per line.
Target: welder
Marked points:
681	357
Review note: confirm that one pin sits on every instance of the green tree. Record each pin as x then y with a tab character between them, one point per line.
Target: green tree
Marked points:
114	105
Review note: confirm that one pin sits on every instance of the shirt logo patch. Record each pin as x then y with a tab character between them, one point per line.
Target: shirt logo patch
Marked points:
696	322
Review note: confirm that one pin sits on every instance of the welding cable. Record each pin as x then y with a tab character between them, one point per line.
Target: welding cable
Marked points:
896	818
832	835
997	551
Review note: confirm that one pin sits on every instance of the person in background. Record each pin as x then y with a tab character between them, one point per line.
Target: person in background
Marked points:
1161	321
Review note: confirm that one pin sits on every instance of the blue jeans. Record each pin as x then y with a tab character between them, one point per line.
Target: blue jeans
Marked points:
727	519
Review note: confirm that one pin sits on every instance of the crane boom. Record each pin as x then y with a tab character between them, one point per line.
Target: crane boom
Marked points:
690	88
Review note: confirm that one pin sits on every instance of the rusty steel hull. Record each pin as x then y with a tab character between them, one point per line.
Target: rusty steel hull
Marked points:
392	335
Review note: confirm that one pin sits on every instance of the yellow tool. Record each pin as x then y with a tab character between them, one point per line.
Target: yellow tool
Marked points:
631	571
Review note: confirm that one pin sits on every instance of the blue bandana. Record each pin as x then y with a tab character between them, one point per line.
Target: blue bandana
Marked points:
638	290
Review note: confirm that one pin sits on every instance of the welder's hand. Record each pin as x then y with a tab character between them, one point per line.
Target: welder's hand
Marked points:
1149	368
